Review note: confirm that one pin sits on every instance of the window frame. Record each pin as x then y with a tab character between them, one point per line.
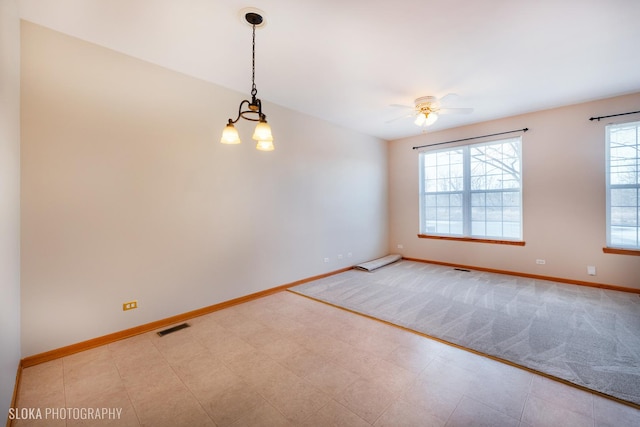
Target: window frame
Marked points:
610	246
466	195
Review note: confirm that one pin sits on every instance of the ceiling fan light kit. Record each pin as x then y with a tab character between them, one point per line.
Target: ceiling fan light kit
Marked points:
426	119
427	109
252	109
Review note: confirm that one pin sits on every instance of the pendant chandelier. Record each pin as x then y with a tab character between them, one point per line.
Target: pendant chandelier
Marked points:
252	109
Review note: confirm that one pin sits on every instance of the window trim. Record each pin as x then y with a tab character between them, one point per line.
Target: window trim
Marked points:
474	239
466	195
618	251
609	248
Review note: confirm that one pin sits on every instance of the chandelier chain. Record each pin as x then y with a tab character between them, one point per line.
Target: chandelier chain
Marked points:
254	91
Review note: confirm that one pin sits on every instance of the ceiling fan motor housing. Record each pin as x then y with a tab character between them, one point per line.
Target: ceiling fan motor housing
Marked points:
427	104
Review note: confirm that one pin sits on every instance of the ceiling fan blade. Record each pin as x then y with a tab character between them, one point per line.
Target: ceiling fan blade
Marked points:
449	99
406	116
455	111
411	107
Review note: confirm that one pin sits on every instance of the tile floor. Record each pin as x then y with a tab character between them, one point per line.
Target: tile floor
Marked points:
285	360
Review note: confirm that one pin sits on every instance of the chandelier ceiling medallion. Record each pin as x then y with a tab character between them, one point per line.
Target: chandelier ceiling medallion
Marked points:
252	109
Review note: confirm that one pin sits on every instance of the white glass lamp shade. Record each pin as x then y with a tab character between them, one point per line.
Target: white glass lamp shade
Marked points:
230	135
265	145
431	119
426	119
263	135
263	131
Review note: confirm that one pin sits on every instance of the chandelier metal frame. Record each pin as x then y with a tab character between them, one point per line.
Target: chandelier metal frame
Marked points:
251	110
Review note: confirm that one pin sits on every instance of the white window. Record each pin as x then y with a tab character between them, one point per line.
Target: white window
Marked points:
623	185
472	191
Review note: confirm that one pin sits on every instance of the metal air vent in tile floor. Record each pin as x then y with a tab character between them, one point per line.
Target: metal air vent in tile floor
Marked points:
173	329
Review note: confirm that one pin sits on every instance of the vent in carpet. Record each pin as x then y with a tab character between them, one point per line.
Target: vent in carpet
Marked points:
463	269
173	329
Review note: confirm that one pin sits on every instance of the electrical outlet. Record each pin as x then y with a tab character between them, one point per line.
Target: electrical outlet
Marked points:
591	270
541	262
326	260
400	246
129	305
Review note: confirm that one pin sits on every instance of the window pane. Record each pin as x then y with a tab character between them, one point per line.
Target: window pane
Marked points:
624	197
494	199
478	214
478	199
511	198
429	205
512	229
494	213
500	209
511	214
624	216
478	228
502	181
443	171
623	189
496	165
456	228
494	229
624	236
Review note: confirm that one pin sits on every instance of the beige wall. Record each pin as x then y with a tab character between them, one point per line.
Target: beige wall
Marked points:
9	201
563	164
128	194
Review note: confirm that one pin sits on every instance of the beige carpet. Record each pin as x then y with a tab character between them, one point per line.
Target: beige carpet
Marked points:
587	336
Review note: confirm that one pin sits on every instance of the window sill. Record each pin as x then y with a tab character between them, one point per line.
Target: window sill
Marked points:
618	251
471	239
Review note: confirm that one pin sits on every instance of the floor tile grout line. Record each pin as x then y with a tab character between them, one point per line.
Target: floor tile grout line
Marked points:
526	398
135	411
561	407
394	400
253	387
350	411
191	393
493	407
64	386
446	423
551	402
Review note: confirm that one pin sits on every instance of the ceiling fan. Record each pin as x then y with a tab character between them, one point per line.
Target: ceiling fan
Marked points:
426	109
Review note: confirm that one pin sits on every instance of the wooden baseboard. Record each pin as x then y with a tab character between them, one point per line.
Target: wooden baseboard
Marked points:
531	276
148	327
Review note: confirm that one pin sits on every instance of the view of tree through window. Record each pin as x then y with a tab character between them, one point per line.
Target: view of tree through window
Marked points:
623	185
472	191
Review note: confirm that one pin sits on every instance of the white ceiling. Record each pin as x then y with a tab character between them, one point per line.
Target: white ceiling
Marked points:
346	61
